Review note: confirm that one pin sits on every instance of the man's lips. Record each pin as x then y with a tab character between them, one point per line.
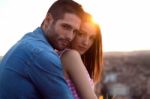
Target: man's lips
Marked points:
65	42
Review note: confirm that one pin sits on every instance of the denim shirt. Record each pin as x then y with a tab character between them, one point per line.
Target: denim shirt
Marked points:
31	69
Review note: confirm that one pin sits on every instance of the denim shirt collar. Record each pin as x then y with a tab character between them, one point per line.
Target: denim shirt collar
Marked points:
41	35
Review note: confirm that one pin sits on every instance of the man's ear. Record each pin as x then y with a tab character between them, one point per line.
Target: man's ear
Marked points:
48	19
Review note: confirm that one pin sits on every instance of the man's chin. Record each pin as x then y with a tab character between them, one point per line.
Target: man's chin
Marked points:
60	48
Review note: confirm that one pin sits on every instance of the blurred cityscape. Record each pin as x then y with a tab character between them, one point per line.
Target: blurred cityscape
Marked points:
126	75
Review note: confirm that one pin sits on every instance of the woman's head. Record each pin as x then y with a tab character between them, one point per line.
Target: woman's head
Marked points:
89	44
84	39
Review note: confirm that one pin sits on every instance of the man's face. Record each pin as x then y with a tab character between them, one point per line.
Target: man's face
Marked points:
61	32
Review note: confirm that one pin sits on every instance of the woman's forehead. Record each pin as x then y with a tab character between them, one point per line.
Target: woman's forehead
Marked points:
88	27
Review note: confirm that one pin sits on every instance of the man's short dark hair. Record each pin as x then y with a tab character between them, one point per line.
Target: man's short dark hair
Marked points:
60	7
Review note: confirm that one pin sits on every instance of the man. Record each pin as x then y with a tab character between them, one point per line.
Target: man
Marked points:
31	69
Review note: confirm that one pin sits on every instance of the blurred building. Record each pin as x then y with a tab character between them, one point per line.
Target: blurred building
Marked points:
126	75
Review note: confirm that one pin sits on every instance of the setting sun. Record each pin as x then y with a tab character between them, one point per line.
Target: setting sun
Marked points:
124	24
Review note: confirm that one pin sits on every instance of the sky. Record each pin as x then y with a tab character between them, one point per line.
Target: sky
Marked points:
124	23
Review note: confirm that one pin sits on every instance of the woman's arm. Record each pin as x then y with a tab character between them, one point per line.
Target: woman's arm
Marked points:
74	66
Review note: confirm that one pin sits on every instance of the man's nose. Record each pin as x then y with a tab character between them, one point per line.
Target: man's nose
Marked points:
70	35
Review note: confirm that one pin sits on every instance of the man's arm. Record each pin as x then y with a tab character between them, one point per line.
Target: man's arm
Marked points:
47	75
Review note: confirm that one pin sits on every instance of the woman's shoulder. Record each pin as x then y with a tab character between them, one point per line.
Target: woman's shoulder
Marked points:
70	52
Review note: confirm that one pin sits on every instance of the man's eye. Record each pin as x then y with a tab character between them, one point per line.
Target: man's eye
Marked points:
75	31
66	26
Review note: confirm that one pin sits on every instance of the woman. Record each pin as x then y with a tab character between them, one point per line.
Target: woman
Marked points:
82	61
